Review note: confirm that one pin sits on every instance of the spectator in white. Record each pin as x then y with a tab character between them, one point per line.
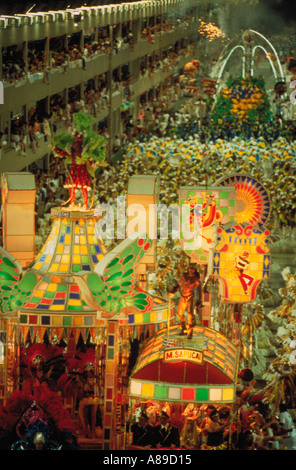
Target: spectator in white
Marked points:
117	144
287	425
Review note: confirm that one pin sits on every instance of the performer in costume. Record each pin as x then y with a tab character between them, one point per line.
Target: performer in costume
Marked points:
80	380
84	150
38	435
190	437
214	433
78	177
191	298
41	364
24	416
88	406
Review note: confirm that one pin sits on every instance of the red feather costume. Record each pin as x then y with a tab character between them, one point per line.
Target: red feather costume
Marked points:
79	177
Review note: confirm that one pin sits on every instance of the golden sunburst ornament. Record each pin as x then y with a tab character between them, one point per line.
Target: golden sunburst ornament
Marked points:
253	203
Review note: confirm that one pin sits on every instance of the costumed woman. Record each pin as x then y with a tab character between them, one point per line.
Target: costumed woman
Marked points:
190	437
214	433
37	408
80	380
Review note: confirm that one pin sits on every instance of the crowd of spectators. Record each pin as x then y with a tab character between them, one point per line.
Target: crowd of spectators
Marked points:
63	55
26	133
13	64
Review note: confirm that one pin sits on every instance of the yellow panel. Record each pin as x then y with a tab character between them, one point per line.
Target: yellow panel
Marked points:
153	316
77	321
74	302
138	318
56	321
91	230
76	249
54	267
52	287
165	314
110	366
83	239
227	394
148	390
76	230
57	307
65	259
38	266
38	293
76	259
22	196
83	250
60	248
236	290
100	257
64	268
256	267
20	219
19	243
228	264
67	239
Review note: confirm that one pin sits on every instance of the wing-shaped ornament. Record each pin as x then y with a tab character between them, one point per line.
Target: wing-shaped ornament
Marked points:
111	288
15	288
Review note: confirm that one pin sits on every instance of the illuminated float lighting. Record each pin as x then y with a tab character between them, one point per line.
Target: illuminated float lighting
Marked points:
198	394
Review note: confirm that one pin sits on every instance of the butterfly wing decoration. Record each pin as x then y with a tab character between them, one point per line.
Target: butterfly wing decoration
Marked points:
111	288
15	288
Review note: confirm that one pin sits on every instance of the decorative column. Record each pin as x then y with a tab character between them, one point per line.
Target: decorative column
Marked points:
18	216
109	415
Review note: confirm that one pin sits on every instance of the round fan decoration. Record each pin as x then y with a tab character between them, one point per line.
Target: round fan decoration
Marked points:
253	203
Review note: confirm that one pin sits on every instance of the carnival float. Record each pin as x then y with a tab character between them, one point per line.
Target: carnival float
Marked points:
88	340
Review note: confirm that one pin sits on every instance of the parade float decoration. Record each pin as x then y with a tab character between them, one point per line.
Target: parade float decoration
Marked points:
173	369
74	290
207	207
242	105
18	191
253	202
241	256
241	260
84	151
